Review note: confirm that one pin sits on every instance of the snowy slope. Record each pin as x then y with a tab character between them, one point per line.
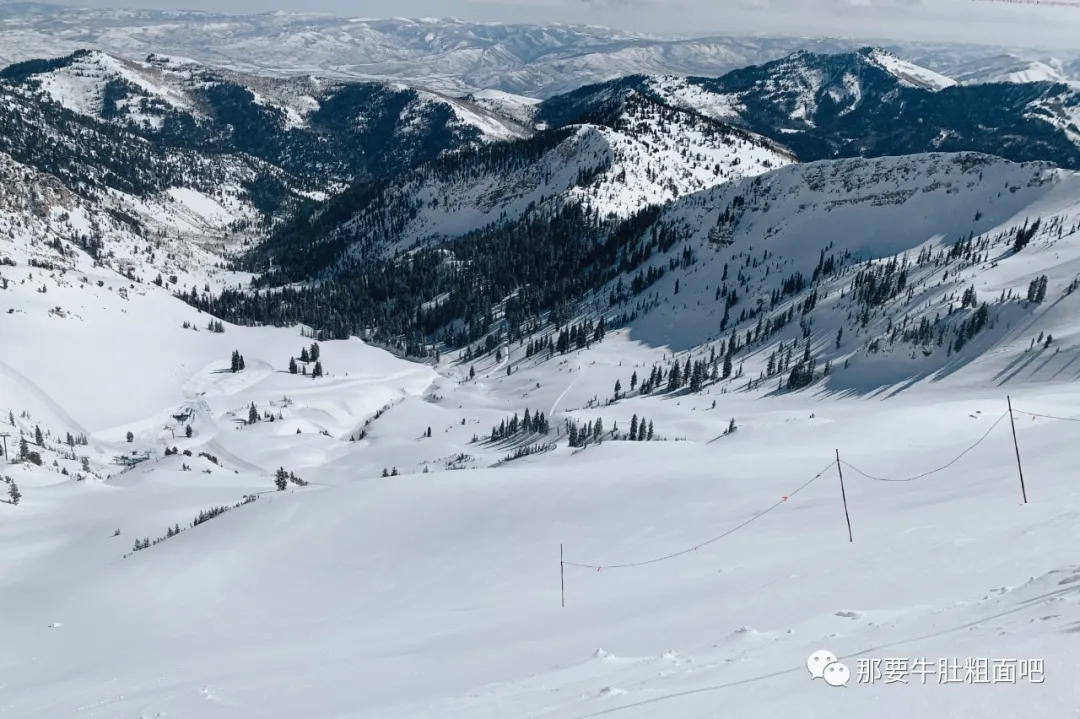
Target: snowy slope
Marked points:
1009	67
169	237
805	81
502	121
438	593
517	107
910	73
648	155
882	211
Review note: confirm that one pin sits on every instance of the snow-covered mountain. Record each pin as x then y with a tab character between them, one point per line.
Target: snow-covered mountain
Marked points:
936	283
639	155
619	148
451	55
145	94
1009	67
138	131
233	152
865	103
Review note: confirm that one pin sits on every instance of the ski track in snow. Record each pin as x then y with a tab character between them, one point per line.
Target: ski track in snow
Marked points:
578	373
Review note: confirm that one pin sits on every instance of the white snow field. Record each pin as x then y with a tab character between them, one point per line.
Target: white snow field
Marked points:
700	572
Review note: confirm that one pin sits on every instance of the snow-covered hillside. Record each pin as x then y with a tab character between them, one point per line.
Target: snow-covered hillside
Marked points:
908	72
177	147
145	92
1009	67
647	155
173	237
869	236
700	565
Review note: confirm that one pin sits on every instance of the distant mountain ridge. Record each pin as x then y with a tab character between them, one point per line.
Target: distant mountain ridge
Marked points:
447	54
859	104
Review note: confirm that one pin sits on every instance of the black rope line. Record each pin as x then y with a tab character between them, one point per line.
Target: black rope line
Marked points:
1047	416
728	533
956	459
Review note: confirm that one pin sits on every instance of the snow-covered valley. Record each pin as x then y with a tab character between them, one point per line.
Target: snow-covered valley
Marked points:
411	565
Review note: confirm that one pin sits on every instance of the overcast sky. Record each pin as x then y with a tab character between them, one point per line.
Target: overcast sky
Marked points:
978	21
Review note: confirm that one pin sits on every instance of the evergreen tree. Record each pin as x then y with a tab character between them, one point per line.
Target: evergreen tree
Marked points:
14	495
188	431
727	366
633	428
24	449
618	388
253	414
292	365
318	371
673	377
242	366
304	356
39	440
633	381
314	352
281	479
234	364
130	437
650	435
472	372
697	377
